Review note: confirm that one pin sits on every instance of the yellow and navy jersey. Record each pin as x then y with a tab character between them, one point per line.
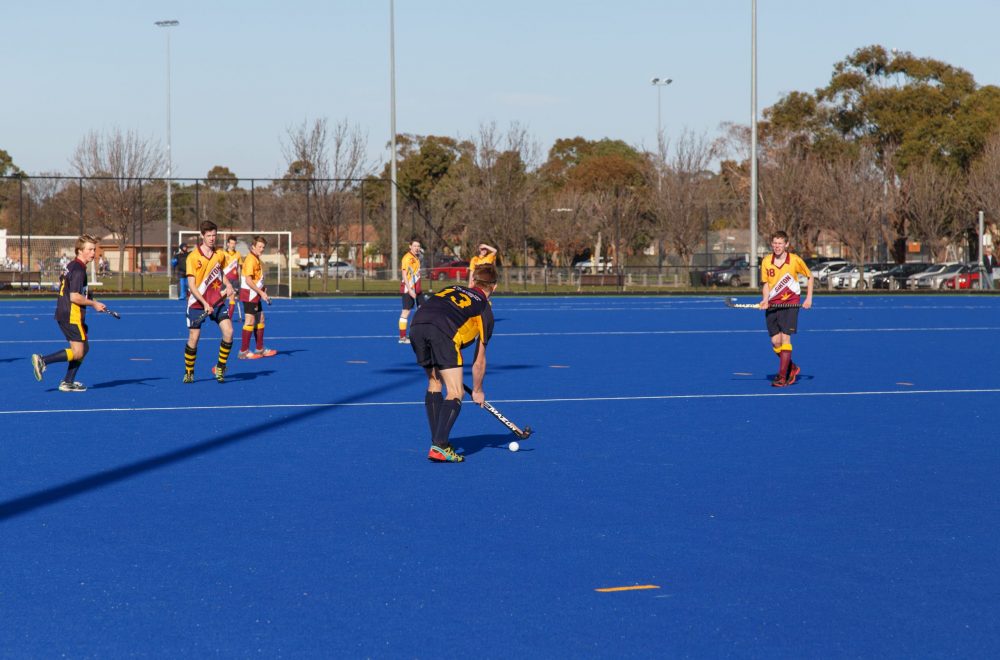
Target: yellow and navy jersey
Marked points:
477	261
72	280
207	274
231	266
410	271
783	281
252	272
464	314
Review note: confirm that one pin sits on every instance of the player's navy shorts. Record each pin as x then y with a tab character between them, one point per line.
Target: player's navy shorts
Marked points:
409	302
219	313
252	307
74	331
433	347
783	320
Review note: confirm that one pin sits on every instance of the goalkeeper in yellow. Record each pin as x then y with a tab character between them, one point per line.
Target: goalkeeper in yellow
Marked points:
781	297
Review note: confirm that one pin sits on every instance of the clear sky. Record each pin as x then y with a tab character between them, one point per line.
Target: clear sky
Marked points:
244	71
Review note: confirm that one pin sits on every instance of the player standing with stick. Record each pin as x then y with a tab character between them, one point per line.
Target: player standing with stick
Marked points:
71	314
209	290
252	292
779	273
410	286
449	321
231	270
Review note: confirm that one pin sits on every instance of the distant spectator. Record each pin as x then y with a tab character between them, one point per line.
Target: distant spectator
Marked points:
989	265
180	263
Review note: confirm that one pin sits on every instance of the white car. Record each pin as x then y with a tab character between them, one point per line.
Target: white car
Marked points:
852	278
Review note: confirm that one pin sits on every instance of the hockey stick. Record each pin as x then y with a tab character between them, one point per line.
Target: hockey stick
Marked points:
731	302
112	313
524	435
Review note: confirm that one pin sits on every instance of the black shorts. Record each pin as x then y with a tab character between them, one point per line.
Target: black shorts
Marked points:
409	302
434	348
74	331
219	314
783	320
252	308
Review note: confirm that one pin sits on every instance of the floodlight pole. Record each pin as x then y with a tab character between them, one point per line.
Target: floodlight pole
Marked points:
168	24
754	275
392	129
659	83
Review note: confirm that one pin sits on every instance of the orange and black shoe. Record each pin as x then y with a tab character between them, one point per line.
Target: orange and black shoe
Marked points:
779	381
444	455
793	374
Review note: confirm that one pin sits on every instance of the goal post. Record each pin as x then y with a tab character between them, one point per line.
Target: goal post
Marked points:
45	255
276	259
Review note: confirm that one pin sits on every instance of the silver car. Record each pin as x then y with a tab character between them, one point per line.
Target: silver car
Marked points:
852	278
934	277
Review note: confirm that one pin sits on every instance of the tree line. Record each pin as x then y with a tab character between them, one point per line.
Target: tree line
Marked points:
893	148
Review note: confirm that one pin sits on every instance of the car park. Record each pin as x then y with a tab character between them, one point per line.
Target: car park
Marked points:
451	270
895	278
934	277
823	272
603	265
853	278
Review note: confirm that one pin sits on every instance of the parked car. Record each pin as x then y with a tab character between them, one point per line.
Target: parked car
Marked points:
852	278
734	271
934	277
896	278
603	265
968	278
340	269
452	270
822	272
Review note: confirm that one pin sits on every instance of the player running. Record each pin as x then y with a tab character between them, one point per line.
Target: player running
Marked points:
252	292
209	290
779	273
409	286
446	323
71	314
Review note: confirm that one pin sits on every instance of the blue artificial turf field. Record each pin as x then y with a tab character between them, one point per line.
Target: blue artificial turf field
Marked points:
291	511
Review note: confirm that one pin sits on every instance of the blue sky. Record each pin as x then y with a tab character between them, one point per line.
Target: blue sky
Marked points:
244	72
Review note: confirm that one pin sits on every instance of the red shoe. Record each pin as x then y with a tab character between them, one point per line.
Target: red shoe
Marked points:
266	352
779	382
444	455
793	374
249	355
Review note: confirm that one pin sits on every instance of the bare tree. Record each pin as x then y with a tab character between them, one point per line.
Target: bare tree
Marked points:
681	189
564	222
850	196
984	184
118	163
930	204
333	162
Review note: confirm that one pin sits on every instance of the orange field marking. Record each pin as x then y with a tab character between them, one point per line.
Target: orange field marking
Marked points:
632	588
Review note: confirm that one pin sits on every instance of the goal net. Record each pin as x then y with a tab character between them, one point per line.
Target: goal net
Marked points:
45	255
276	259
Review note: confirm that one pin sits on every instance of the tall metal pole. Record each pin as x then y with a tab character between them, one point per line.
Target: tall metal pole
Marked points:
168	24
659	83
979	257
753	145
392	129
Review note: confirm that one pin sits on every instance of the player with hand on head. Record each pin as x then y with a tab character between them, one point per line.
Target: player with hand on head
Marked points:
252	292
485	254
779	273
209	290
231	270
71	314
409	286
450	320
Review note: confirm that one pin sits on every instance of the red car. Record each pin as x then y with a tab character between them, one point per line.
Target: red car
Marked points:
964	280
453	270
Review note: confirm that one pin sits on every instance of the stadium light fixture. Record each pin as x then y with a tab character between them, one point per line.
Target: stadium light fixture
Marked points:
168	24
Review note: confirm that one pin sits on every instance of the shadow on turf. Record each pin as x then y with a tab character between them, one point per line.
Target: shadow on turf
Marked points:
413	368
27	503
128	381
474	444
